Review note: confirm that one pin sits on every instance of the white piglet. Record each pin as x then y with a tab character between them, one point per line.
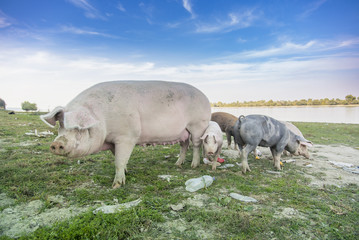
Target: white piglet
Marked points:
212	143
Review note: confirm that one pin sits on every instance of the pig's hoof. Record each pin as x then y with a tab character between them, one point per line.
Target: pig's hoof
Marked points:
245	169
278	168
179	162
116	185
194	165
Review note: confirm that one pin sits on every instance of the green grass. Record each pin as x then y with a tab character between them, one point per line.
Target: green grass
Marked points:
28	171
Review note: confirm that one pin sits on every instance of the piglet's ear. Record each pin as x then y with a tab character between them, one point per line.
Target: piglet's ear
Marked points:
55	115
309	144
304	141
80	119
204	138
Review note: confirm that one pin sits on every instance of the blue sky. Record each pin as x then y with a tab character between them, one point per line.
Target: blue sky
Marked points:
231	50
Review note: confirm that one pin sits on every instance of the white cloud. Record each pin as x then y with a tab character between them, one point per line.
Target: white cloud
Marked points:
79	31
50	79
188	6
308	49
121	7
312	8
233	21
4	20
90	11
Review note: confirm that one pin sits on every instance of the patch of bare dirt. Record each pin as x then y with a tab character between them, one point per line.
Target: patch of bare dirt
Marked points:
321	167
27	217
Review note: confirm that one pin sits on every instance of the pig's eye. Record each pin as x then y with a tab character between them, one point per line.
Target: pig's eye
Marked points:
89	131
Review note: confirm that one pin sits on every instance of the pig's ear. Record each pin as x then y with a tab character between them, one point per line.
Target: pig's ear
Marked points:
304	141
79	119
55	115
204	137
214	138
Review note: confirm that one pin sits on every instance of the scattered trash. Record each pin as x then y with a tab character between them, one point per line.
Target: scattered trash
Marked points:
195	184
242	198
289	161
257	158
207	161
117	207
352	170
342	164
40	134
228	165
273	172
281	164
177	207
307	164
166	177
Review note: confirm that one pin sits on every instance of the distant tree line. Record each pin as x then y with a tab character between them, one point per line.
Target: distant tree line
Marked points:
349	99
27	106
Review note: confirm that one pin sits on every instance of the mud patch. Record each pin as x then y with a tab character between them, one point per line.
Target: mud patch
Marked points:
26	218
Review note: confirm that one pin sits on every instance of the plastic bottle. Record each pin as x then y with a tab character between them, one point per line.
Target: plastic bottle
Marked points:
195	184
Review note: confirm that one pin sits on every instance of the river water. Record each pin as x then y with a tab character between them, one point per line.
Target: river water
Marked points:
329	114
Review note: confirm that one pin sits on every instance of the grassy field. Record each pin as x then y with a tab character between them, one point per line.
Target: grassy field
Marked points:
287	207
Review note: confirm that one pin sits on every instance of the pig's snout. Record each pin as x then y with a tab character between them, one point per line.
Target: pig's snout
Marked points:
58	148
210	153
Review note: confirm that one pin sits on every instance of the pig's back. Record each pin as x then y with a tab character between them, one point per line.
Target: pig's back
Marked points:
224	120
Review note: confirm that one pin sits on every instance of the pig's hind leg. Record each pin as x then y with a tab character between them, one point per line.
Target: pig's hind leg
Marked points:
244	157
276	157
183	151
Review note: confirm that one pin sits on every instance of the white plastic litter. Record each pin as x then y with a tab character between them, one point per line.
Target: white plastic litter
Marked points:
206	161
289	161
166	177
242	198
40	134
228	165
195	184
341	164
352	170
117	207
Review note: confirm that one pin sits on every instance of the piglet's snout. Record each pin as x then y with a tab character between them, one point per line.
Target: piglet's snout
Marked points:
58	148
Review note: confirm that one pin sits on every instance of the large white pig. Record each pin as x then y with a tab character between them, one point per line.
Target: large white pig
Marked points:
118	115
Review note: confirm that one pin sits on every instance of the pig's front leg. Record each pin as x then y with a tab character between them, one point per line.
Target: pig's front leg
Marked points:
123	152
214	161
183	151
196	152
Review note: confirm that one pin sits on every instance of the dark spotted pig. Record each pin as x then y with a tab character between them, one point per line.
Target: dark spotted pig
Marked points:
258	130
118	115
